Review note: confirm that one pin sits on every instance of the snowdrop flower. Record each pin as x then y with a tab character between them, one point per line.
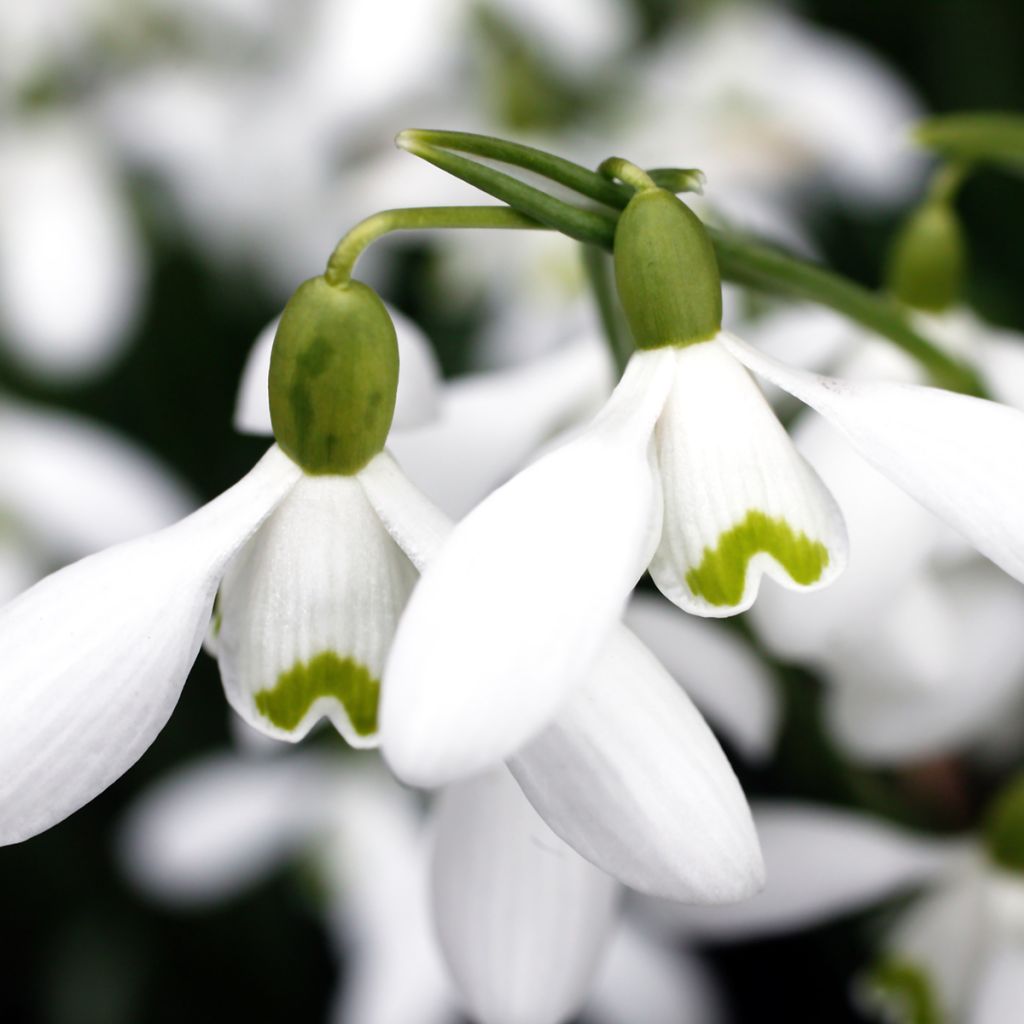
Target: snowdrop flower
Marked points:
953	954
686	470
96	655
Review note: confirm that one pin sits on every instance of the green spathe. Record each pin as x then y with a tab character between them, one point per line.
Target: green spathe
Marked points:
926	265
1004	827
666	272
333	376
327	675
721	576
904	987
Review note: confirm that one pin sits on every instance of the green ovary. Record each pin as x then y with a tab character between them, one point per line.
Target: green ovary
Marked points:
345	679
722	573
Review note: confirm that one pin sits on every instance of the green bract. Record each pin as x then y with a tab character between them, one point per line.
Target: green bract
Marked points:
333	376
666	272
926	266
1004	827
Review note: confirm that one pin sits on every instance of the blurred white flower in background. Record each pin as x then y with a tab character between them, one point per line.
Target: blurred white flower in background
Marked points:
220	825
764	102
69	487
920	637
953	953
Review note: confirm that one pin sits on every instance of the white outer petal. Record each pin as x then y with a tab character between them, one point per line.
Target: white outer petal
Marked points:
632	778
507	618
643	978
94	657
221	824
77	487
322	576
419	379
70	262
717	667
722	455
522	918
957	455
821	863
490	424
416	525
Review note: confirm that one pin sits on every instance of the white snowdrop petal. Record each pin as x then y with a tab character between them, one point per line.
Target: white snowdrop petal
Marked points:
95	655
522	919
76	486
957	455
307	612
739	499
879	718
252	403
632	778
820	863
417	526
490	424
220	824
716	667
508	616
644	978
419	379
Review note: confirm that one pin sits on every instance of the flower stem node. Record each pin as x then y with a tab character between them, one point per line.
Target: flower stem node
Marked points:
333	377
1004	827
926	265
666	272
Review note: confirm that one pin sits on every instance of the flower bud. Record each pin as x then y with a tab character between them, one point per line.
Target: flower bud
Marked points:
333	377
926	264
1004	827
666	272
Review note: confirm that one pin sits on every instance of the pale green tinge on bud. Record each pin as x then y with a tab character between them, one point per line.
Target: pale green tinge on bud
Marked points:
1004	827
666	272
333	377
926	264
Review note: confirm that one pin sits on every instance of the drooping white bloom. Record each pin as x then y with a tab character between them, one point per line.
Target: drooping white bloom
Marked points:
687	470
96	655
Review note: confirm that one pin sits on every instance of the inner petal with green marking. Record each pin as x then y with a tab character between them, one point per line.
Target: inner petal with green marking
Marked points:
721	576
345	680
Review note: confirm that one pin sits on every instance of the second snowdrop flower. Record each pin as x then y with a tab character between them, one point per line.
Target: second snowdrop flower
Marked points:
685	470
311	582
